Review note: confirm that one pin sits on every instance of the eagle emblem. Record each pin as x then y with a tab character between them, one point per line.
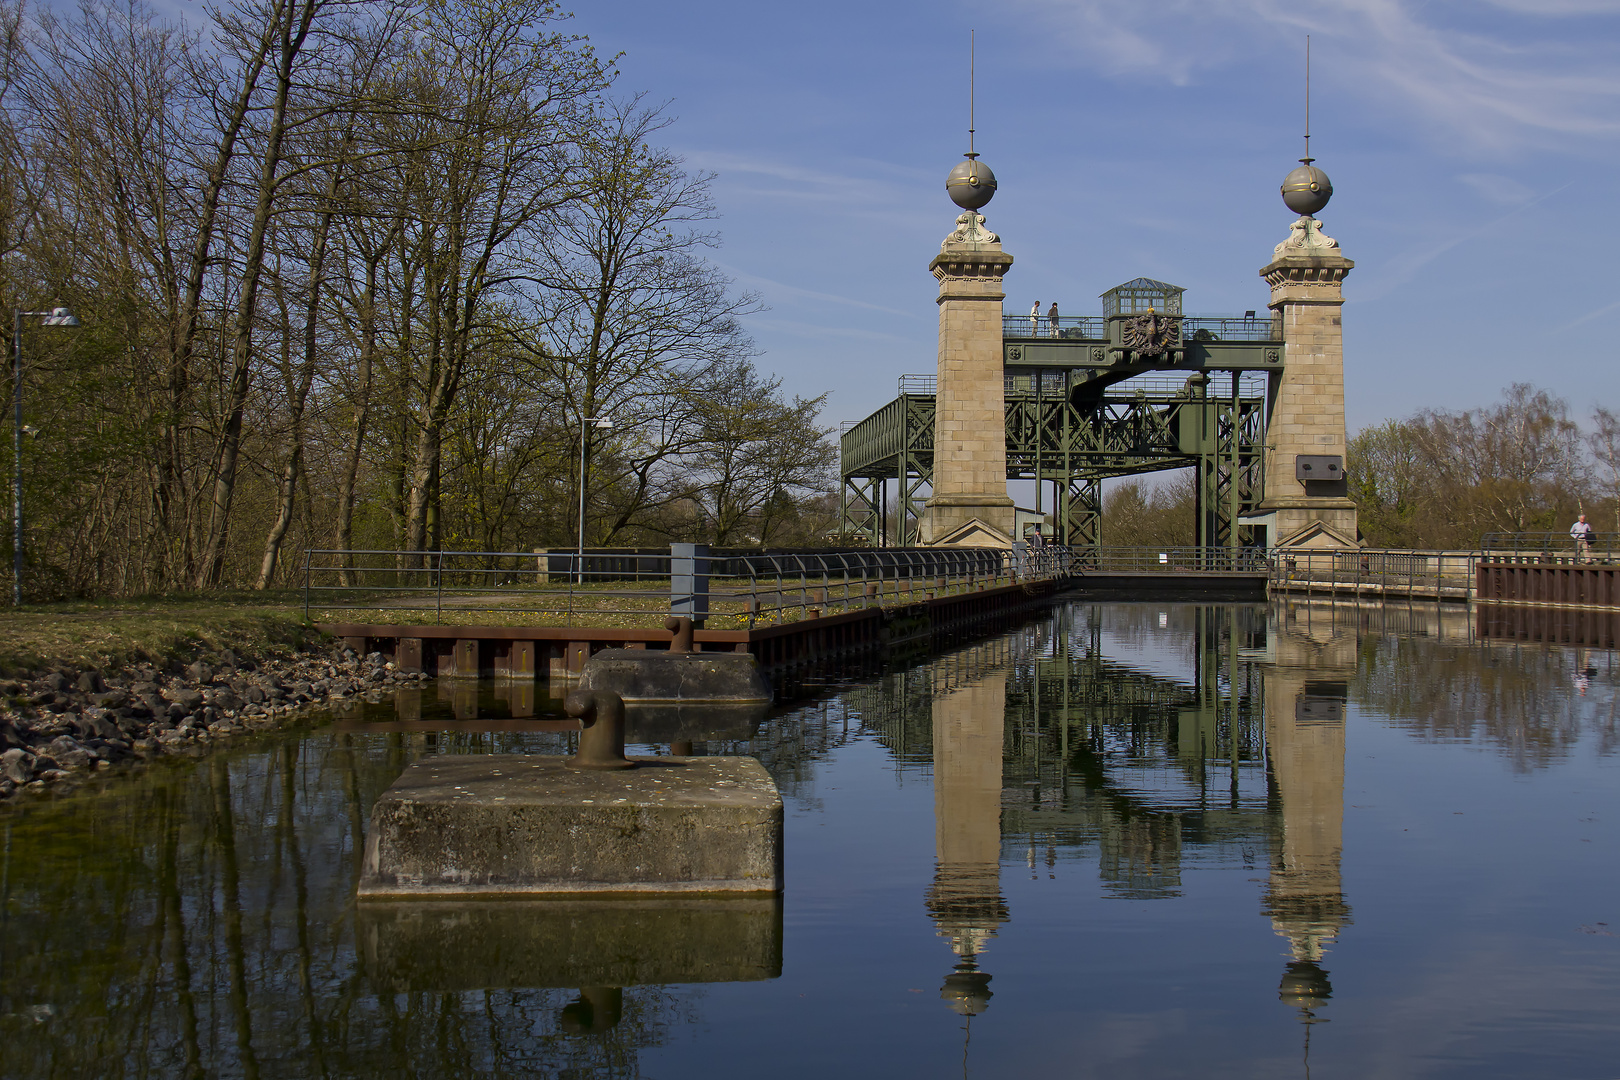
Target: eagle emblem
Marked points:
1151	334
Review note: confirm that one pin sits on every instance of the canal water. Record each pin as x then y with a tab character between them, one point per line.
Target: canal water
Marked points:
1119	841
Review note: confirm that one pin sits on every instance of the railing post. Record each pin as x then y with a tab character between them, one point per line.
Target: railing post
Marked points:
689	581
804	586
438	603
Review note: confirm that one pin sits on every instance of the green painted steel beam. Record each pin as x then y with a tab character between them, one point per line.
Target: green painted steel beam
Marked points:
1053	439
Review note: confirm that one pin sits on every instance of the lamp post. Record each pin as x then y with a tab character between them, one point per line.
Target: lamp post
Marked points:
601	423
55	317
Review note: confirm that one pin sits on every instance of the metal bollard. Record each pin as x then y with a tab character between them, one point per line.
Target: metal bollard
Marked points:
601	740
681	627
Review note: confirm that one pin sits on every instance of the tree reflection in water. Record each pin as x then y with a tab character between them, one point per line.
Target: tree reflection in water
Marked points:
171	925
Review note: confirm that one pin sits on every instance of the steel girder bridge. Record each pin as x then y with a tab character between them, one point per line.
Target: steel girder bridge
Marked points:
1141	389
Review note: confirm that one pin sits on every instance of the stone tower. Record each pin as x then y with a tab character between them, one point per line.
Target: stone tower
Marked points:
969	504
1305	487
1307	397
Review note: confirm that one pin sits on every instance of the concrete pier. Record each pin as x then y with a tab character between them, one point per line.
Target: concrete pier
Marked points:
644	677
473	826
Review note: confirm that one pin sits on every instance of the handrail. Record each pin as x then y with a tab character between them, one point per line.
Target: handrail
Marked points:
747	588
1381	572
1548	541
1167	559
1094	328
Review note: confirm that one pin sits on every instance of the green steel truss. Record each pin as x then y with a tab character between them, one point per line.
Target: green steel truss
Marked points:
1079	409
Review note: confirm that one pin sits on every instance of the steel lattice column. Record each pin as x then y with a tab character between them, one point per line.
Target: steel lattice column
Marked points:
858	508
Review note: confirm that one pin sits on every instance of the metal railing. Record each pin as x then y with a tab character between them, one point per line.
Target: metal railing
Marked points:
1554	548
1168	560
1230	328
734	591
1084	327
1193	327
1447	575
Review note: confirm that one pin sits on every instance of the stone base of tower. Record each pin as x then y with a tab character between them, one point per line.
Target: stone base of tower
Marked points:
1317	523
968	521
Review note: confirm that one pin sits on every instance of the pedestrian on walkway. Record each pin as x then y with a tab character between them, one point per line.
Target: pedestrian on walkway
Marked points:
1051	319
1582	533
1035	319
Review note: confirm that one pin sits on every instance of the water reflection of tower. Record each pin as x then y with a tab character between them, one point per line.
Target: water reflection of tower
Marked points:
965	901
1305	722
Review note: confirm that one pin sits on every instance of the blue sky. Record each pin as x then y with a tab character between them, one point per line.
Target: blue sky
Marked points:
1464	138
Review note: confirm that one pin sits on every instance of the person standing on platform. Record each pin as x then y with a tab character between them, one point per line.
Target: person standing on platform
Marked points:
1051	319
1037	550
1035	318
1581	532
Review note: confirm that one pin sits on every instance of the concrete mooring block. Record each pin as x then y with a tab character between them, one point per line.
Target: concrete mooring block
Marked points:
471	826
649	677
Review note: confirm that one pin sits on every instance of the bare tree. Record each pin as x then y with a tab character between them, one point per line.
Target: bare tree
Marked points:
634	323
514	101
1512	467
1603	441
759	458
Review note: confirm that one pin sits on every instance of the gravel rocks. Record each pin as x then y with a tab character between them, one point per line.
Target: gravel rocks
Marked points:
57	726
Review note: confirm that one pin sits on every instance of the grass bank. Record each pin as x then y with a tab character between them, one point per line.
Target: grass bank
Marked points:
113	634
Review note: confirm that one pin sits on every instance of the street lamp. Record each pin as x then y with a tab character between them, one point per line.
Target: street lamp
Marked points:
55	317
601	423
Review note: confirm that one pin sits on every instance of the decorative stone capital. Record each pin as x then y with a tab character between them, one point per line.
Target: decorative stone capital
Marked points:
1309	258
989	265
1305	237
971	253
969	230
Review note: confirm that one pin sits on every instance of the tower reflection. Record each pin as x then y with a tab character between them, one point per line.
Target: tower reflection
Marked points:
1305	692
969	718
1154	743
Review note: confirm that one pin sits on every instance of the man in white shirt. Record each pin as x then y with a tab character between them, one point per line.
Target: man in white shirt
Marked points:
1581	533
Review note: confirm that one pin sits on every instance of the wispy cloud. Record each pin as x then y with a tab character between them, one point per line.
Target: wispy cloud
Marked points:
1588	317
1501	190
1527	75
772	289
1404	266
1559	7
855	183
823	331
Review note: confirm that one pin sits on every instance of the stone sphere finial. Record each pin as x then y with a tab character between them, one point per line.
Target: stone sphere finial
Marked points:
1307	189
971	184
